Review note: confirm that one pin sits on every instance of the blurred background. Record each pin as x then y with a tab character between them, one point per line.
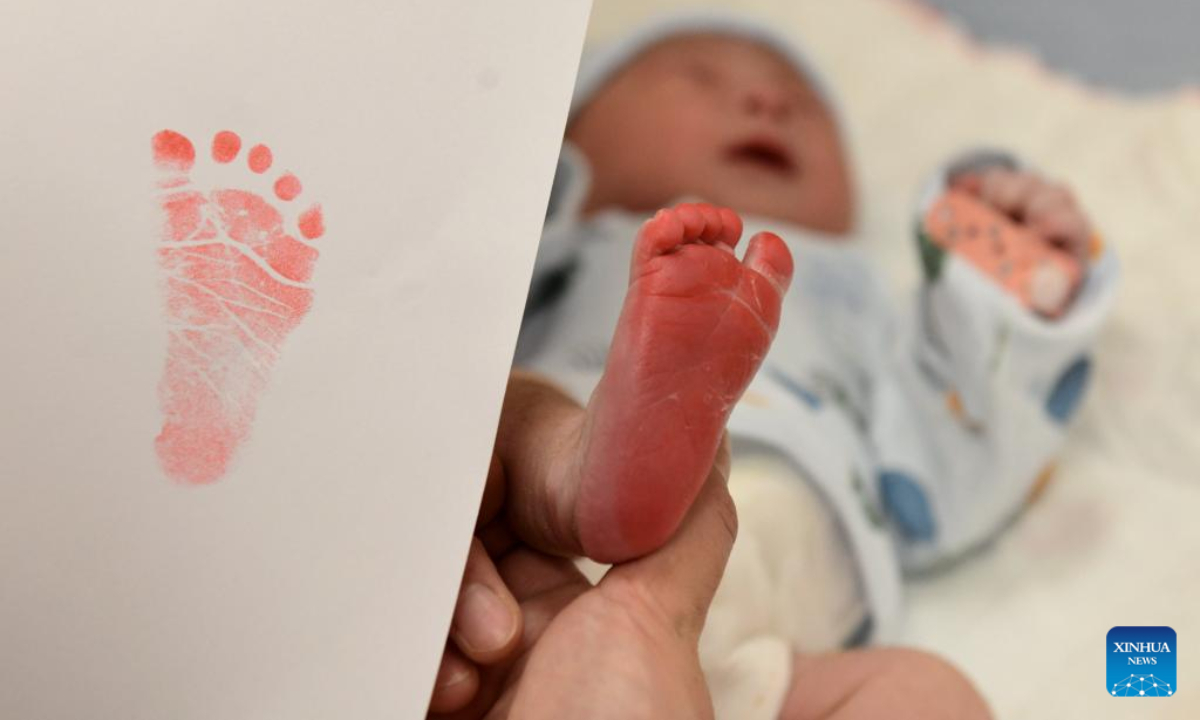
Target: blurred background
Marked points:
1104	95
1143	47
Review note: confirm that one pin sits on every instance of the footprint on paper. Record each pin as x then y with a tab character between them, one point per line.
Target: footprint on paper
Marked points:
236	266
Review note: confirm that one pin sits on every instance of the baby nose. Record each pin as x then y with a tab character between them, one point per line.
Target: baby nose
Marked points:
766	101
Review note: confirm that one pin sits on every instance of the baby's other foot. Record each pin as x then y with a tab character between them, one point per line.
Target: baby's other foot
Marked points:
693	331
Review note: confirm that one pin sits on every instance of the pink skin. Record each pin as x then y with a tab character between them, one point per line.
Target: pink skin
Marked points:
721	118
694	328
1048	209
1051	228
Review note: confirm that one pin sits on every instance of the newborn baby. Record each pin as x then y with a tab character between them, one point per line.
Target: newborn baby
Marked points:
872	441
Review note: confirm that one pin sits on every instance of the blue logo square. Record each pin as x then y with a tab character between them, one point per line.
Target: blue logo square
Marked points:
1141	662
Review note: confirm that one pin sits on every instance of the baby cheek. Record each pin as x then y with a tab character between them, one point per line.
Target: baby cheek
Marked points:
824	155
674	151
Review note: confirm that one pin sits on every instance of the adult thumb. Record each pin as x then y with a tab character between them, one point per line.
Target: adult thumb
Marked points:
681	577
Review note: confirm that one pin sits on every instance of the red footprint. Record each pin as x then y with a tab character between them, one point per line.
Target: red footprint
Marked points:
236	284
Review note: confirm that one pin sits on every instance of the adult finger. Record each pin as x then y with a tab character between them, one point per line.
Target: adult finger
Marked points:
487	620
493	493
544	585
457	682
682	577
530	573
539	427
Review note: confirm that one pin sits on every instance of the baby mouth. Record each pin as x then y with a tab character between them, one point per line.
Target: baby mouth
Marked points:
765	154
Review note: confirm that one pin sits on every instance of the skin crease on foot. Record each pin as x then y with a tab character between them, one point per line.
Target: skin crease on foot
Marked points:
694	328
728	120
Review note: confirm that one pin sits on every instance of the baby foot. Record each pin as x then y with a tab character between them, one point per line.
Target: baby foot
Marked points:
236	281
695	326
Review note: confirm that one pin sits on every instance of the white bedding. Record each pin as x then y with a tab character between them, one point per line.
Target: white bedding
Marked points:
1114	541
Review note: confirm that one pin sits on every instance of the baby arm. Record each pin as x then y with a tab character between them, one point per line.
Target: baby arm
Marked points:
1027	234
1047	208
971	408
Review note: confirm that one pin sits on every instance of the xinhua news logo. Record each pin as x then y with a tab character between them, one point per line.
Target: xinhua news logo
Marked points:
1141	662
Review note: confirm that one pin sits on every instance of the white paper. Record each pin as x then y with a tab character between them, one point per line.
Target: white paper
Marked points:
314	575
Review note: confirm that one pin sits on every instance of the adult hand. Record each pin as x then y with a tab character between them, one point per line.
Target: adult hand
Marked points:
532	637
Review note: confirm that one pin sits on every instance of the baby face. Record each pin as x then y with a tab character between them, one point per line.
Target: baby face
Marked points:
721	118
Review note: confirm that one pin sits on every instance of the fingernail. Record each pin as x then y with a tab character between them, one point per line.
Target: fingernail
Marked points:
449	676
483	622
